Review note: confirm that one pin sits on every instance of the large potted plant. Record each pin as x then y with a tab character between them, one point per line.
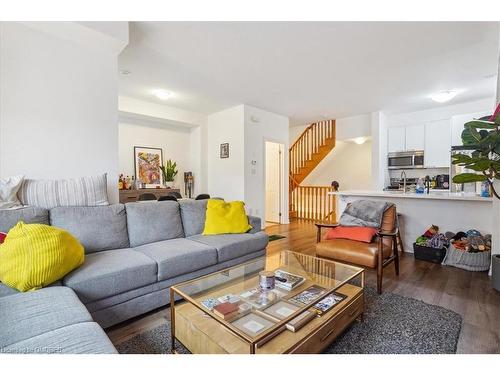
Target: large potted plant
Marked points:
169	171
482	136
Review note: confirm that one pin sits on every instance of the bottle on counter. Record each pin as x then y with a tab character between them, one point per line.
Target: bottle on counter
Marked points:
120	182
420	189
433	182
485	189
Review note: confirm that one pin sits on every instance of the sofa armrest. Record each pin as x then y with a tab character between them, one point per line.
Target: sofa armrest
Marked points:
256	224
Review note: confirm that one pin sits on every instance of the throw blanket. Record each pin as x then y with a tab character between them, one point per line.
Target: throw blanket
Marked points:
364	213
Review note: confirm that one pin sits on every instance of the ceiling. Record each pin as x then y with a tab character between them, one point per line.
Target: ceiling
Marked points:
310	70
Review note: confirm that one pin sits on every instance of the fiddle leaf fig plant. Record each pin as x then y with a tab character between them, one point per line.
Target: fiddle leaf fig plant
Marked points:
169	171
483	137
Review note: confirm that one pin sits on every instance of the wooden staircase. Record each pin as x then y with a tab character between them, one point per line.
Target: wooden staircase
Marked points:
317	140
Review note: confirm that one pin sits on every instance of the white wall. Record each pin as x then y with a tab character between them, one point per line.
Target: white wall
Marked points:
174	141
262	126
442	113
348	163
346	128
379	150
172	118
161	111
226	177
58	101
246	129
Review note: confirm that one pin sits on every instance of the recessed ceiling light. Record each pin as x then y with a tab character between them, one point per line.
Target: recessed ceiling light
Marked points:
125	72
444	96
359	140
162	94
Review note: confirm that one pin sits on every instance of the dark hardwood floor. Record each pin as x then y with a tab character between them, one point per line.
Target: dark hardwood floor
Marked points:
468	293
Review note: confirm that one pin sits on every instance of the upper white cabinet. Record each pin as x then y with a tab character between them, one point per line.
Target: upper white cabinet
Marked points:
437	144
415	139
396	139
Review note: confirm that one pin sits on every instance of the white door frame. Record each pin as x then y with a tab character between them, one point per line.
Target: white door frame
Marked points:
282	192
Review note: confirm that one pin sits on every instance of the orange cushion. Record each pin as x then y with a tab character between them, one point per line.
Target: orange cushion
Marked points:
363	234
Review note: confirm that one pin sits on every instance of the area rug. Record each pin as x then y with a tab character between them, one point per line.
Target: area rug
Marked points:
274	237
393	324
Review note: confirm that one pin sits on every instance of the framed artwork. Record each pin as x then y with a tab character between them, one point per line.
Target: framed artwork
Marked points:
224	150
147	162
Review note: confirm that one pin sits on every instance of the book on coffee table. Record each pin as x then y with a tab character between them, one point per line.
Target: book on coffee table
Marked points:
287	280
226	310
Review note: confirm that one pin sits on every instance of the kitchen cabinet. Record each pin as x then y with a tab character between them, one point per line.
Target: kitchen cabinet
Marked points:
396	139
437	144
414	136
457	125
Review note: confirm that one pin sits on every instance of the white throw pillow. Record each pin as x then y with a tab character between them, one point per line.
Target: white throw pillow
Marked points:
83	191
8	192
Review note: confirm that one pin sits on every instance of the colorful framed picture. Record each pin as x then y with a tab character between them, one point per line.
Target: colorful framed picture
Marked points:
147	162
224	150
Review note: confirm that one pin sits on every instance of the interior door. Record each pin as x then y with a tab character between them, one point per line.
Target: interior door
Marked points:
273	171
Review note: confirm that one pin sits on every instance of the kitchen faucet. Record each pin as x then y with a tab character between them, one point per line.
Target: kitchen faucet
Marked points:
403	176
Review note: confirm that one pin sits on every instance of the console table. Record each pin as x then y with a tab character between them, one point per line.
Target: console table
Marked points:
133	195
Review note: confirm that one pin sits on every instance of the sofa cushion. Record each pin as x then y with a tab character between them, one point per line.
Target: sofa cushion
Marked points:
81	192
226	217
179	256
193	215
6	290
30	215
24	315
111	272
81	338
152	221
36	255
97	228
230	246
348	251
8	192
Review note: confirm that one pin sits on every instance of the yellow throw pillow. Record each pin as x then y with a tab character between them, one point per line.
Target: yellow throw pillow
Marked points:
226	217
36	255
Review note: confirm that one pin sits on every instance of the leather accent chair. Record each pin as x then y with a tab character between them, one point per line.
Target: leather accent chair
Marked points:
377	254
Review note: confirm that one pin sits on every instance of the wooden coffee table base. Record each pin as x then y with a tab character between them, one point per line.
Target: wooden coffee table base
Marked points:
203	335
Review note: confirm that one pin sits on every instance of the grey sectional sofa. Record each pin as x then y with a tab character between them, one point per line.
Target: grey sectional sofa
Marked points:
134	253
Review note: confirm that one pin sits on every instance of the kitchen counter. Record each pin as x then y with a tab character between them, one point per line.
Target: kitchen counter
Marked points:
449	211
399	194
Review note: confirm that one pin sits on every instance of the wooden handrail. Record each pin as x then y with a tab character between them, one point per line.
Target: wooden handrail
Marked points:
308	149
305	130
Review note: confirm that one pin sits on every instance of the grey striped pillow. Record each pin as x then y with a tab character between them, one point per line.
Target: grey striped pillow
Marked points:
83	191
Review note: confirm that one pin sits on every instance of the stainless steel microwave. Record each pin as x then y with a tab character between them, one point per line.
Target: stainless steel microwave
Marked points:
405	160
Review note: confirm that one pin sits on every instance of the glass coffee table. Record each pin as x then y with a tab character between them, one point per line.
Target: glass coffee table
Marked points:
227	311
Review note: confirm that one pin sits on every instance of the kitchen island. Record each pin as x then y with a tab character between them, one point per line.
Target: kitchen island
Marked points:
449	211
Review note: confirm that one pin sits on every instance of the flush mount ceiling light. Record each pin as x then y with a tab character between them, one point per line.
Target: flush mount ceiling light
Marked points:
444	96
359	140
162	94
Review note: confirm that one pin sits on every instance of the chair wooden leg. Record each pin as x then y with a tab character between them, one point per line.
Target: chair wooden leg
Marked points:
380	268
396	255
379	279
400	241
